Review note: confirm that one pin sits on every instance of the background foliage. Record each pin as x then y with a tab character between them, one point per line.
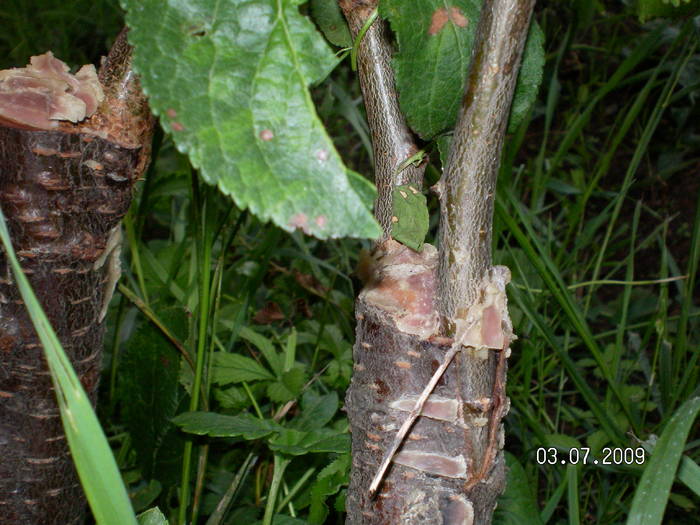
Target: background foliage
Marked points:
597	216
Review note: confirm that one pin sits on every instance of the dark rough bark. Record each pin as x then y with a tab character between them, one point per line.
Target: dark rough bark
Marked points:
63	193
392	140
395	356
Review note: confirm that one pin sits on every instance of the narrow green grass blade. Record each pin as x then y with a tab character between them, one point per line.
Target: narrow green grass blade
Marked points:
573	495
544	265
654	487
643	50
91	453
689	473
606	422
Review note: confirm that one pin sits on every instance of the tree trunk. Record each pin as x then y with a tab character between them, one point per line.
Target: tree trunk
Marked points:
428	317
63	192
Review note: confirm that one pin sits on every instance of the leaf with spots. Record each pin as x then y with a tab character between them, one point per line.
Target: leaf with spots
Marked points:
410	221
435	41
230	83
654	487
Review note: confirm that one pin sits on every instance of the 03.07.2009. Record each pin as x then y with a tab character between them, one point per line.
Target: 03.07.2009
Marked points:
582	455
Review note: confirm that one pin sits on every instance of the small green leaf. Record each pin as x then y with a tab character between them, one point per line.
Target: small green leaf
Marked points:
296	443
235	368
326	13
328	482
152	517
316	410
219	425
410	219
233	398
518	504
266	347
529	77
288	387
654	487
230	82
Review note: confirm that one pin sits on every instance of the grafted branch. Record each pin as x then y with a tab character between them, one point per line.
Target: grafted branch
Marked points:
392	140
469	184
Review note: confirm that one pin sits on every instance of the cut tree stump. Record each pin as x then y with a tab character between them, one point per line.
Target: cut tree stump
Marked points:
64	192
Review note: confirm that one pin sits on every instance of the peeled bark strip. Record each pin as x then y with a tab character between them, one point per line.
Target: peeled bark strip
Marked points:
392	140
63	191
395	355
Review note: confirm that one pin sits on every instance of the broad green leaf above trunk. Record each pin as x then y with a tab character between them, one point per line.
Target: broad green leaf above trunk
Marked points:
434	52
230	83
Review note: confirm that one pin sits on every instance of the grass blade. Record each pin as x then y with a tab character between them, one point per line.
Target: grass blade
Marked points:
654	487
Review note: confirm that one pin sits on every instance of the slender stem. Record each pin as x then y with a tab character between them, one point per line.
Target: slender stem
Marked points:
392	140
296	488
218	515
281	464
469	184
203	322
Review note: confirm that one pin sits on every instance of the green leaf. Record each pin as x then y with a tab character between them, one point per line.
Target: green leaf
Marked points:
435	45
288	387
529	78
152	517
328	482
296	443
330	20
219	425
316	410
410	220
230	82
435	42
150	393
145	494
235	368
266	347
518	504
654	487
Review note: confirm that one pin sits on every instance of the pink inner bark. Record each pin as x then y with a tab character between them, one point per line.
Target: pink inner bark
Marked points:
44	92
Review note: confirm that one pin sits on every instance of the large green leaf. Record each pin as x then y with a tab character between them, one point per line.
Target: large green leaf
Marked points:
220	425
435	41
654	488
230	82
236	368
297	443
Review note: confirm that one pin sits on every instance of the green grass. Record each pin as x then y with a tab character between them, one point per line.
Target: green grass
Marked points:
598	219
